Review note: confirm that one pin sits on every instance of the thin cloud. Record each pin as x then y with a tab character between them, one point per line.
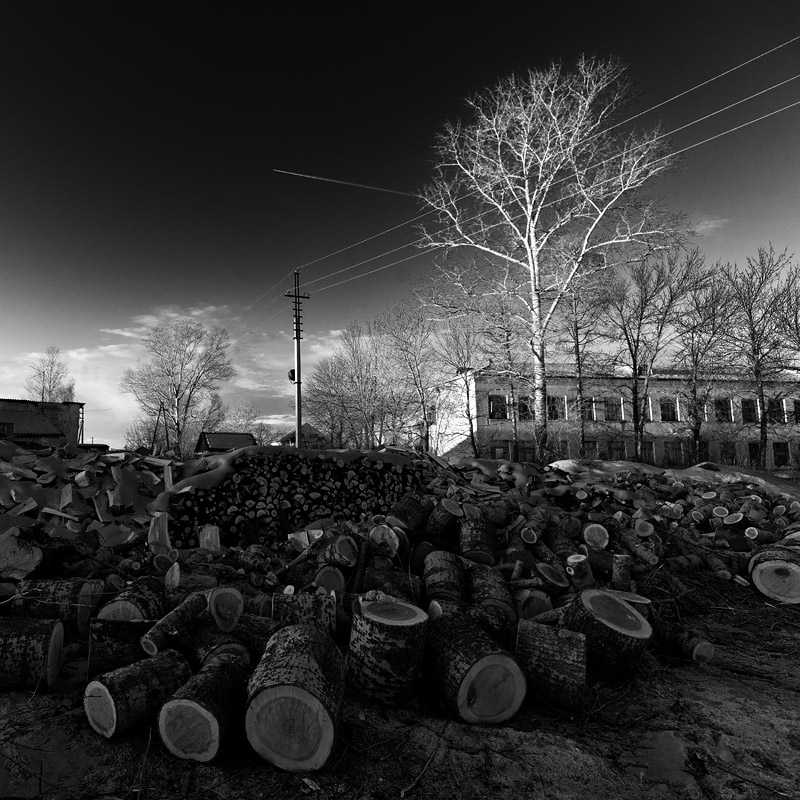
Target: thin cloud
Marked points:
708	225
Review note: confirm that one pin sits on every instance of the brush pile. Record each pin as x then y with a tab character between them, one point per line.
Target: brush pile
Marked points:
267	583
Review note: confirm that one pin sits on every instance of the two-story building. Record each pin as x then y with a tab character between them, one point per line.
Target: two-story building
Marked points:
501	413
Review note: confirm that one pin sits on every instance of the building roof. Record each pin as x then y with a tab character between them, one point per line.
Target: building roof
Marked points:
223	441
309	431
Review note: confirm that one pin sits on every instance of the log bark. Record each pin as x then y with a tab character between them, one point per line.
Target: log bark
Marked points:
198	719
73	601
206	641
554	662
395	582
616	634
480	682
486	587
114	643
293	609
387	643
254	632
175	626
143	599
444	576
294	699
411	512
477	540
30	652
116	701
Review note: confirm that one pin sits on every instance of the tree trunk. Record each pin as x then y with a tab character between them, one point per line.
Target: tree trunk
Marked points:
554	662
30	652
118	700
386	647
479	681
199	717
294	699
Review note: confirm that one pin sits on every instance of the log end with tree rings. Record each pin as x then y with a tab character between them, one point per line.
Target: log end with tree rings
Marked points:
492	691
775	572
226	605
616	634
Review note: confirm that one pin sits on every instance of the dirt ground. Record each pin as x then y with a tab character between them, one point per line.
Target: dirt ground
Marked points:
724	730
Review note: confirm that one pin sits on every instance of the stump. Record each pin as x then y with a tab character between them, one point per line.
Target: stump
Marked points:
775	572
118	700
387	642
444	576
554	662
30	652
143	599
616	634
294	699
199	717
480	682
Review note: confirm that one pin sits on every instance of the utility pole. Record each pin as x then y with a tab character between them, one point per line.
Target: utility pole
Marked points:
295	375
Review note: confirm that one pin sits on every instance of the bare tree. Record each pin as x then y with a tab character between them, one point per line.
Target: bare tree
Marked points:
179	381
639	321
699	347
757	341
542	176
244	416
49	380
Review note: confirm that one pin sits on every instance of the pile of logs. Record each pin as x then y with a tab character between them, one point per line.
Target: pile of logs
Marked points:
269	583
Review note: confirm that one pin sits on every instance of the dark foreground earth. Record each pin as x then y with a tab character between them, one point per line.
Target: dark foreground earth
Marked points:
724	730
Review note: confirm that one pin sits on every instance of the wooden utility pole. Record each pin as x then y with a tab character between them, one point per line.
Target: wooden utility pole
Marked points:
297	376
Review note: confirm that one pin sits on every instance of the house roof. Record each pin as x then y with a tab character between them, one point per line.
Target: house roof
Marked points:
308	431
224	441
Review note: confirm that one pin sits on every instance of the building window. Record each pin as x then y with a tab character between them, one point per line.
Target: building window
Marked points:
556	407
669	409
527	452
727	452
647	415
749	411
796	412
613	409
722	410
590	448
775	412
587	410
616	449
753	452
705	452
498	408
525	409
6	429
673	453
780	453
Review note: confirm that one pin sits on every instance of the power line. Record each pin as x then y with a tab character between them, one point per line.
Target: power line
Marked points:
346	183
670	155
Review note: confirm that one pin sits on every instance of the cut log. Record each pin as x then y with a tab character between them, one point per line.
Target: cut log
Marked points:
680	641
616	634
580	572
621	571
394	582
554	662
341	551
486	587
479	681
73	601
175	626
254	632
114	643
775	572
441	527
595	535
198	719
411	512
444	576
143	599
206	641
294	699
118	700
477	540
387	643
30	652
293	609
226	605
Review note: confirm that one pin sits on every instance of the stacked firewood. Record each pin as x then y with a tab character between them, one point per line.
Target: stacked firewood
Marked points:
267	583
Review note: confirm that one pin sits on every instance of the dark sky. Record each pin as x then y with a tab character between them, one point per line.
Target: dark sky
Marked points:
138	143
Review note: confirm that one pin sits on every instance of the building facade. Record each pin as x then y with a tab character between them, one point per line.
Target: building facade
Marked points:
501	414
31	422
